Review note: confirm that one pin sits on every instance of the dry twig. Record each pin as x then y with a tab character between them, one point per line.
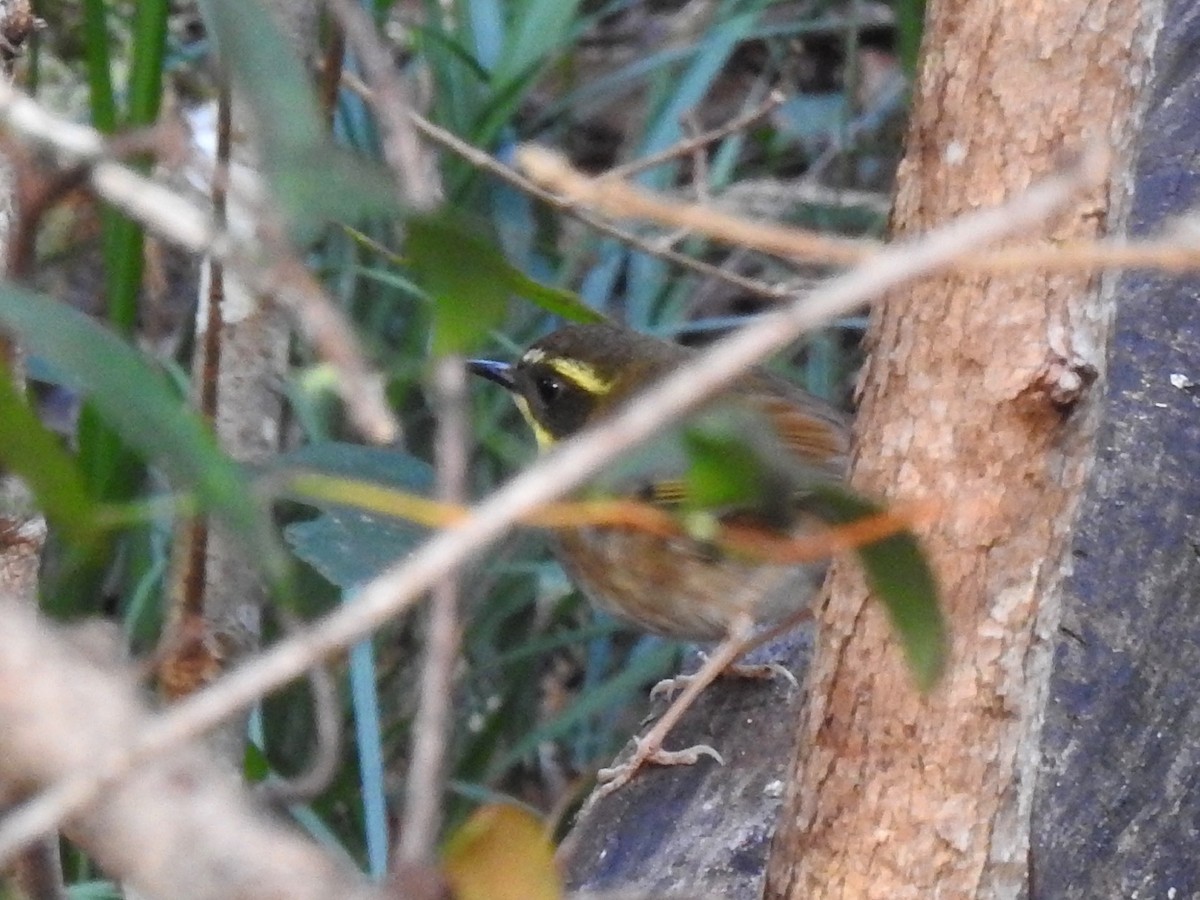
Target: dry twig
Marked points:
274	272
435	717
550	477
177	826
699	141
621	200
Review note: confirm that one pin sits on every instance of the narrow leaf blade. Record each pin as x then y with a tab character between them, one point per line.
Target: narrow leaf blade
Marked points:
30	450
139	404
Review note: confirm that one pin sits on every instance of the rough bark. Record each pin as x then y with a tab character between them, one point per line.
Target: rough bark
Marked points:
1116	810
977	394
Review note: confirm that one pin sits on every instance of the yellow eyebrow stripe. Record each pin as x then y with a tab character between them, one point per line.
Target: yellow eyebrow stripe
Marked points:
581	374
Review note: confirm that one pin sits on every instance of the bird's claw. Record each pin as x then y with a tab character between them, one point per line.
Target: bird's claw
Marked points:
645	753
764	671
669	687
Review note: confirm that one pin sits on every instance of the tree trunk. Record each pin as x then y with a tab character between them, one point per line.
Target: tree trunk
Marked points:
983	393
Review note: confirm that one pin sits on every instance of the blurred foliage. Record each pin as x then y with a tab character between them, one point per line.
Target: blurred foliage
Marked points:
548	688
502	853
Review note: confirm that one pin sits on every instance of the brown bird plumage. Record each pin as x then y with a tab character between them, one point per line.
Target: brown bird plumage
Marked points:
678	587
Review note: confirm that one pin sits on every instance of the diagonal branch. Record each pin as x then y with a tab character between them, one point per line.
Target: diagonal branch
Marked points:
547	479
273	270
179	826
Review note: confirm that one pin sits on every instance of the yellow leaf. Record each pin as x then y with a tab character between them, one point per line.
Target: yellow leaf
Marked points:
502	853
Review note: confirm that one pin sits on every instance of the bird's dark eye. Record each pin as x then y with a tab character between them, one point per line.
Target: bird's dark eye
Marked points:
549	388
558	405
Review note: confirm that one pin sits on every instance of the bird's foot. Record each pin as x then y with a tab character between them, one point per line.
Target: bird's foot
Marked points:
669	687
649	752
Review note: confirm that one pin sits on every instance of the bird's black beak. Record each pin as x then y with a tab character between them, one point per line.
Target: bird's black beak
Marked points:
499	372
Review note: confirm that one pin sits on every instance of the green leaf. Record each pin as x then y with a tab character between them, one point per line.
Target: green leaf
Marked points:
30	450
255	767
347	545
899	575
728	459
555	301
464	274
725	468
140	405
313	180
540	28
326	183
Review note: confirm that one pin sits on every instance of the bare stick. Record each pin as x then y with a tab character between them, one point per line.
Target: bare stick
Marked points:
180	826
409	161
546	479
617	198
487	163
434	719
273	272
699	141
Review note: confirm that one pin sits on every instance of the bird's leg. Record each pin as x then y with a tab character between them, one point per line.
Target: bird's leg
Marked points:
668	687
649	749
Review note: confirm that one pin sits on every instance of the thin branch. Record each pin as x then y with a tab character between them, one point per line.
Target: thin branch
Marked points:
272	270
182	645
548	478
408	159
179	827
431	728
329	82
699	141
492	166
621	200
772	197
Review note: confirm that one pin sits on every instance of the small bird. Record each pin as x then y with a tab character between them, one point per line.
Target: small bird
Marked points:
684	587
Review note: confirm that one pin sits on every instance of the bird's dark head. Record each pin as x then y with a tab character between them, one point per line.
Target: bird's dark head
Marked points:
567	379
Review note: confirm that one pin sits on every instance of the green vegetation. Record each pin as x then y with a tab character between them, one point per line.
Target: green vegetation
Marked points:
546	689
